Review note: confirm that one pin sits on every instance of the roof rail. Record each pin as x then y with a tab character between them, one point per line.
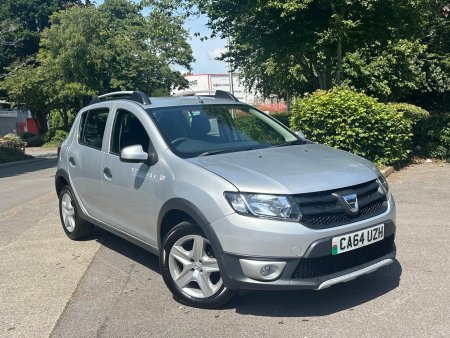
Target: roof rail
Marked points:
225	95
126	95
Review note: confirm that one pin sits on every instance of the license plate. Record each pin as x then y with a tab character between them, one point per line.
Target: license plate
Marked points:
357	239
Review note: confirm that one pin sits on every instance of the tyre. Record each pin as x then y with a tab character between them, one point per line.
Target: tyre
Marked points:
190	269
74	226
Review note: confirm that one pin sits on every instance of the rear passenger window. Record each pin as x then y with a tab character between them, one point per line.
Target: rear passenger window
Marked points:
93	123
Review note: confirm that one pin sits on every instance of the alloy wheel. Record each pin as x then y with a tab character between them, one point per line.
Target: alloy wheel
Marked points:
68	212
193	267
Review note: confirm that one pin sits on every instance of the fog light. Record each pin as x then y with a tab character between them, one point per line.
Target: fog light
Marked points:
265	270
262	270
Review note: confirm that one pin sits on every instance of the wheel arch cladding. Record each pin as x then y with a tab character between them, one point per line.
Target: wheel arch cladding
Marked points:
61	179
178	207
176	210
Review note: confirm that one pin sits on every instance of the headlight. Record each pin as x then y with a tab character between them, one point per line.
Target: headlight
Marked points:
267	206
382	182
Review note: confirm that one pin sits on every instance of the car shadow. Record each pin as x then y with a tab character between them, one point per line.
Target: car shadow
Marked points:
125	248
23	168
310	303
297	303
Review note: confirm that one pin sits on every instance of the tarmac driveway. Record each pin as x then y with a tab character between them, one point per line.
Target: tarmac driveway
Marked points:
120	292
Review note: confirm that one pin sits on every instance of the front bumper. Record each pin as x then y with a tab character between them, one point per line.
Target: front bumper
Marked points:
258	237
316	269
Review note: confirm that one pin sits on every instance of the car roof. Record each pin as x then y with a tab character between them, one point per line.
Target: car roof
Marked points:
220	97
175	101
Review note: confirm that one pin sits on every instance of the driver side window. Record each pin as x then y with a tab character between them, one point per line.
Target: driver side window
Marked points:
128	131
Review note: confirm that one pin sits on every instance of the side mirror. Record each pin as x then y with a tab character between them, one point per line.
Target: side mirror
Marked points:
133	154
300	134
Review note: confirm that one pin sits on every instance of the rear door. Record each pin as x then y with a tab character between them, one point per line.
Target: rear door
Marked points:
85	157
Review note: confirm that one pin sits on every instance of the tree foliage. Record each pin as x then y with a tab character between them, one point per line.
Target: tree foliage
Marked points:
89	50
21	22
390	48
29	85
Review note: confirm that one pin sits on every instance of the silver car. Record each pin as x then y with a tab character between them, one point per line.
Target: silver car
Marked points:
229	198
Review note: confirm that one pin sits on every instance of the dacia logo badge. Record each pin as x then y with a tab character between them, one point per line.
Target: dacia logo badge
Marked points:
352	202
348	201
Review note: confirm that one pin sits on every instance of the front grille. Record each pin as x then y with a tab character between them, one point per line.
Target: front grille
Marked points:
327	265
322	210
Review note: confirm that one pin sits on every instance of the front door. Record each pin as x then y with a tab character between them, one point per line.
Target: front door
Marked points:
129	189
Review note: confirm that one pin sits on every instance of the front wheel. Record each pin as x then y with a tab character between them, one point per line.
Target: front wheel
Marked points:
190	269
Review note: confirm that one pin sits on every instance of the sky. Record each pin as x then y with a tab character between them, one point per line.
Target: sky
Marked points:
205	51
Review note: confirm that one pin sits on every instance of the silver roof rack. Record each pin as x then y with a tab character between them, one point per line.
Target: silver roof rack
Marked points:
136	96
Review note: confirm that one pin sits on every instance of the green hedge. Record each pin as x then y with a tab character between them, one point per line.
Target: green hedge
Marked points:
282	117
432	136
54	137
35	141
410	111
355	122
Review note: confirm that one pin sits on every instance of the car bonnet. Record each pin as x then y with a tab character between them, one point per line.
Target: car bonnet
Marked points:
290	169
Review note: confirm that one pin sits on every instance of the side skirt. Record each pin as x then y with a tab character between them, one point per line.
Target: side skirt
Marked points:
120	233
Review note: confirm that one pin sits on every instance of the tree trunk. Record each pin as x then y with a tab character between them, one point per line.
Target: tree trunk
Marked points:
41	122
339	62
288	102
309	69
65	119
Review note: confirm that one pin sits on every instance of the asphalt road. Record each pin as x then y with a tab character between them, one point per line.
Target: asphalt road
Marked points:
24	182
106	287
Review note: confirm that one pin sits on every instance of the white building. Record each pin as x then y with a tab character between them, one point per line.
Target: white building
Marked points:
207	84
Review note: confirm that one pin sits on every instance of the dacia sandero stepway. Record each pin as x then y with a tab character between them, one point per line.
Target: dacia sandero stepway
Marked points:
229	198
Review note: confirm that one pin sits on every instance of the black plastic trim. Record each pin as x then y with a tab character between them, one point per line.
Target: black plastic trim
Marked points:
136	96
61	173
121	234
225	95
199	218
235	277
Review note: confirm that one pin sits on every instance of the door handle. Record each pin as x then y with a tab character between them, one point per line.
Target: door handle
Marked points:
72	161
107	173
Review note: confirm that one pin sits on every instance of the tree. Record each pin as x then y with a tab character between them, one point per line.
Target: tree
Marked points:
303	45
90	50
29	85
114	47
22	21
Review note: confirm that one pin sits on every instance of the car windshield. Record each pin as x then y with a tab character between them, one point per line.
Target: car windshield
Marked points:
205	130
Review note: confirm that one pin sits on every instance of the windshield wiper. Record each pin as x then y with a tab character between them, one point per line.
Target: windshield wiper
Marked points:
290	143
223	151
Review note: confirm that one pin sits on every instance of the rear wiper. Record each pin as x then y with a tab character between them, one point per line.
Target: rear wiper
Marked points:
223	151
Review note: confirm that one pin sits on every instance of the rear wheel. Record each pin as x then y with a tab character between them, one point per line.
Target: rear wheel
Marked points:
74	226
190	269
